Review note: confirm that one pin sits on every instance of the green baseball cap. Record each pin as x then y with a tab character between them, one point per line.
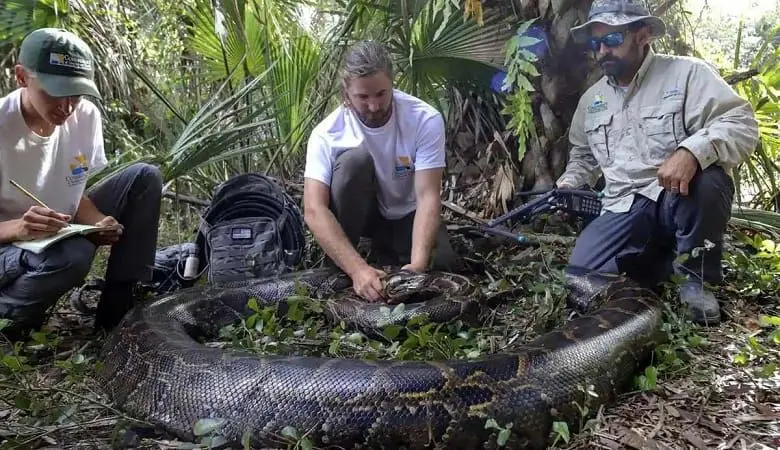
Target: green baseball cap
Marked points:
61	61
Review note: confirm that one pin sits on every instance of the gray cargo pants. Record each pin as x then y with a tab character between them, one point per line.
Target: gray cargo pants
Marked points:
31	283
645	241
353	193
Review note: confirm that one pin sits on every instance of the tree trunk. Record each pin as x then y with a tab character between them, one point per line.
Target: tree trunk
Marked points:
485	174
564	72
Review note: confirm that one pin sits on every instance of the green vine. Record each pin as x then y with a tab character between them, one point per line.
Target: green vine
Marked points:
519	63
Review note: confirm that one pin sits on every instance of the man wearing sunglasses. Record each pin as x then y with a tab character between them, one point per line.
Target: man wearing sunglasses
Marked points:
665	132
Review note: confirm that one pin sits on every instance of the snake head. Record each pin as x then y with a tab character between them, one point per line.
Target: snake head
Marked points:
406	286
404	280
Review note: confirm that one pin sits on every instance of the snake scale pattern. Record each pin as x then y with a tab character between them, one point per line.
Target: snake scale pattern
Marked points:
155	370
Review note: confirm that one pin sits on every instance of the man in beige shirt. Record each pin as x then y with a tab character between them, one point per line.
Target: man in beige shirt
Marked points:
664	131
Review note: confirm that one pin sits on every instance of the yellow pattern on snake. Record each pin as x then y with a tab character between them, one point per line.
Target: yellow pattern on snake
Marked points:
156	371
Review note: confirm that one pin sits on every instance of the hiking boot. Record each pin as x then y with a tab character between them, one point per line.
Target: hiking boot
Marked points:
703	307
115	301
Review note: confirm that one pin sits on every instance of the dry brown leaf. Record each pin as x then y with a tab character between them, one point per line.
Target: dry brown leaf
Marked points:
693	437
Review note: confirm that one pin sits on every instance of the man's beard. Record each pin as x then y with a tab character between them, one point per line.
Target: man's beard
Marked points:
376	119
614	67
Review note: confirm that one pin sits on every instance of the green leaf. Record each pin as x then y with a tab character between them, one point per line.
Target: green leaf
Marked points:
767	370
524	26
473	354
306	443
290	432
528	68
251	321
491	423
203	427
12	362
503	436
523	82
562	430
525	41
23	401
392	331
741	359
769	321
681	259
355	338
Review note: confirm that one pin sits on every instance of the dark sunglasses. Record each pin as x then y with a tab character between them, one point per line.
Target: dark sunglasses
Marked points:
610	40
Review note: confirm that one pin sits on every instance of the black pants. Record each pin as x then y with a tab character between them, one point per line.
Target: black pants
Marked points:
30	283
646	241
353	194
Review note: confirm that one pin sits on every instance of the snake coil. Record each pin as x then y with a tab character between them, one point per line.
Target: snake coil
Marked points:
155	370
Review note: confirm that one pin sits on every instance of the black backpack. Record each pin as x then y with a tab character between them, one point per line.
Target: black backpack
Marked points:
251	229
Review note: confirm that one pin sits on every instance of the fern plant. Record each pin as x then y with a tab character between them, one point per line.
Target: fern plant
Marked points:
519	68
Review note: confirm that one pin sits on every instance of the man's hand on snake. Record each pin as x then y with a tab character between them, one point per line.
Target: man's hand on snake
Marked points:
367	283
677	171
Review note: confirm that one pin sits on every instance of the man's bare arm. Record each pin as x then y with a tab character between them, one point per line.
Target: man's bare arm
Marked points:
427	186
326	229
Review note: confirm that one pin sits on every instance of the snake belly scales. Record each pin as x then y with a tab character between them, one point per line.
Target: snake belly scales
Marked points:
155	370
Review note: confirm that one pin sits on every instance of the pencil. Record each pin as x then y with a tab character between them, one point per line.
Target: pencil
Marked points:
29	194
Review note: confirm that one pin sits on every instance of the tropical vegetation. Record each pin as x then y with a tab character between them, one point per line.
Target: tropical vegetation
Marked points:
207	89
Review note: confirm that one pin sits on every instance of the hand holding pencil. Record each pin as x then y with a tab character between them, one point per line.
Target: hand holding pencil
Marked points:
39	220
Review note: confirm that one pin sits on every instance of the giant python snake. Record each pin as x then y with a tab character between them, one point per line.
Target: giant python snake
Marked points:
155	370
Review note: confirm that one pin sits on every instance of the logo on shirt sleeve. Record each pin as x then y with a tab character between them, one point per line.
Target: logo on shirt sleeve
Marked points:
403	167
78	170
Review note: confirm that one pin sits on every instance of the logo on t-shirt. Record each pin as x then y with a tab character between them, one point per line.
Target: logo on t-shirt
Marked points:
78	171
403	167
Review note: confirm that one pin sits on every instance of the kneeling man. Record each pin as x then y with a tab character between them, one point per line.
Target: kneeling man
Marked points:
51	139
374	168
665	132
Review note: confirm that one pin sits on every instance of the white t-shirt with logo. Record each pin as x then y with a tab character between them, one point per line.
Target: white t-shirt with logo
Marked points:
412	140
55	167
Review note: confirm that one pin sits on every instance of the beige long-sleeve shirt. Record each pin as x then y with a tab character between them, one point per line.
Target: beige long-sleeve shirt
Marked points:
626	134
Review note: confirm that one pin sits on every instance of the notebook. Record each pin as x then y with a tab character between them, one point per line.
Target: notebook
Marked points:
39	245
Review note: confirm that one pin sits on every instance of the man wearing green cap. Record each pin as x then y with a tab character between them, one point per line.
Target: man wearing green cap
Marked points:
664	131
51	140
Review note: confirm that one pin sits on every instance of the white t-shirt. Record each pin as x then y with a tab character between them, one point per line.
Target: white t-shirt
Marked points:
412	140
55	167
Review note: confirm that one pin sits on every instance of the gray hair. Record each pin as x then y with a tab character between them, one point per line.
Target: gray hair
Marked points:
366	58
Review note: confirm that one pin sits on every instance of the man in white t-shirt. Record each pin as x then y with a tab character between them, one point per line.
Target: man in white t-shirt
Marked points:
374	168
51	139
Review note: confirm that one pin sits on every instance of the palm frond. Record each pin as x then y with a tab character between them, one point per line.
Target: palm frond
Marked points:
223	129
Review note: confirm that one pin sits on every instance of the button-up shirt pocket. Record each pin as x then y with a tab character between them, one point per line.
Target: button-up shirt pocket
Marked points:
597	129
663	130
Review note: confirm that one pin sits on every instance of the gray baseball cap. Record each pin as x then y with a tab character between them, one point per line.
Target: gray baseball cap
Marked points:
618	13
62	62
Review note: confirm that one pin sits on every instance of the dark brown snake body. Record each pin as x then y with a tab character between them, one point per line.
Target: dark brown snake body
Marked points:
154	370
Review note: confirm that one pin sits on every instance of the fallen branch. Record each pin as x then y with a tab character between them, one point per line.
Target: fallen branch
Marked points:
463	211
186	199
735	78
